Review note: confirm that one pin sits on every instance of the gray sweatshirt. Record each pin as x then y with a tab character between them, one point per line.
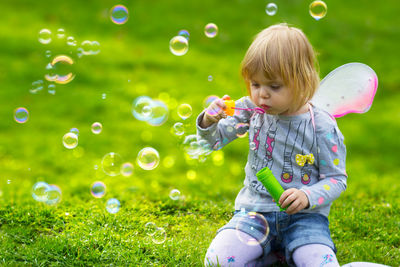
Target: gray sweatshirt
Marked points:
301	154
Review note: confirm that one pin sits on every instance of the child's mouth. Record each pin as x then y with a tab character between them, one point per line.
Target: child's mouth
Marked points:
265	107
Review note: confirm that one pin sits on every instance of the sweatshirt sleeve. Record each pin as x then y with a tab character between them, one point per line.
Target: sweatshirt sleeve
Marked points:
331	162
226	130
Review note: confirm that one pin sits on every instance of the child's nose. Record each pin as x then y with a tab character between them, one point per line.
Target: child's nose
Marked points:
264	93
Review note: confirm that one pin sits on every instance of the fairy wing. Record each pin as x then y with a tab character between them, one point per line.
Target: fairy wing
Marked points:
349	88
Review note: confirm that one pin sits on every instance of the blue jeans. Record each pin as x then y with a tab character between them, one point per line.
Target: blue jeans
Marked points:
286	232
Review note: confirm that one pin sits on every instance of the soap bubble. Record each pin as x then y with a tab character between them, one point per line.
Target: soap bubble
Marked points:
256	223
196	149
36	86
60	33
71	41
178	45
271	9
318	9
53	194
141	108
48	53
70	140
210	78
96	128
39	191
159	113
184	111
113	205
150	228
89	48
45	36
174	194
59	70
21	115
148	158
51	89
119	14
75	131
178	129
111	164
208	100
127	169
159	236
184	33
98	189
211	30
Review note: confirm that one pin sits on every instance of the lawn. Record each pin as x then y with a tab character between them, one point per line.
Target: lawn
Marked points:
135	60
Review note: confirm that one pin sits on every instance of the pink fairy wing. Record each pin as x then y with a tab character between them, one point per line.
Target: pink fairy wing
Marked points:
349	88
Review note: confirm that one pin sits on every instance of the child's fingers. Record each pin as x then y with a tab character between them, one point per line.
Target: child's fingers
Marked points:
226	97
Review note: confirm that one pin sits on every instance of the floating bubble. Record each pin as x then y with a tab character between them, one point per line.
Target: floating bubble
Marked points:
178	45
256	223
184	111
210	78
211	30
60	70
98	189
178	129
141	108
75	131
271	9
36	86
39	191
148	158
51	89
71	41
113	205
60	33
184	33
241	129
318	9
174	194
208	100
53	194
119	14
196	149
111	164
159	236
150	228
127	169
96	127
89	48
70	140
159	113
45	36
48	53
103	96
21	115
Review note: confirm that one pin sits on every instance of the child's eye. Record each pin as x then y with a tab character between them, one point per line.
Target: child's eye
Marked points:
275	86
255	85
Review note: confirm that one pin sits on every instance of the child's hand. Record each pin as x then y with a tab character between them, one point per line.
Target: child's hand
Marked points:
296	198
214	112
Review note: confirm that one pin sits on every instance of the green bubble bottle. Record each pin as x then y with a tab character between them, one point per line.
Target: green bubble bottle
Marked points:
269	181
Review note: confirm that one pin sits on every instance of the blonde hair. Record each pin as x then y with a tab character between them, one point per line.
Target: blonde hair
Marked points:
283	52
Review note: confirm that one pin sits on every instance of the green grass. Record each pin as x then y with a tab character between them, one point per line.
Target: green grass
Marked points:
135	60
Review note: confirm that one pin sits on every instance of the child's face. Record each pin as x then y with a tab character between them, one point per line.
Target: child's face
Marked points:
271	95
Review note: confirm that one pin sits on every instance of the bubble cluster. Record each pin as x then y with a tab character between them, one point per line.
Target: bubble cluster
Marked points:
119	14
178	45
271	9
97	127
211	30
148	158
127	169
184	111
98	189
259	226
70	140
21	115
154	112
196	149
59	70
318	9
111	164
157	234
174	194
46	193
89	48
113	205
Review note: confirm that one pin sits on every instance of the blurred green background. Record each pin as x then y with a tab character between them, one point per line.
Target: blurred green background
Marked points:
135	60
